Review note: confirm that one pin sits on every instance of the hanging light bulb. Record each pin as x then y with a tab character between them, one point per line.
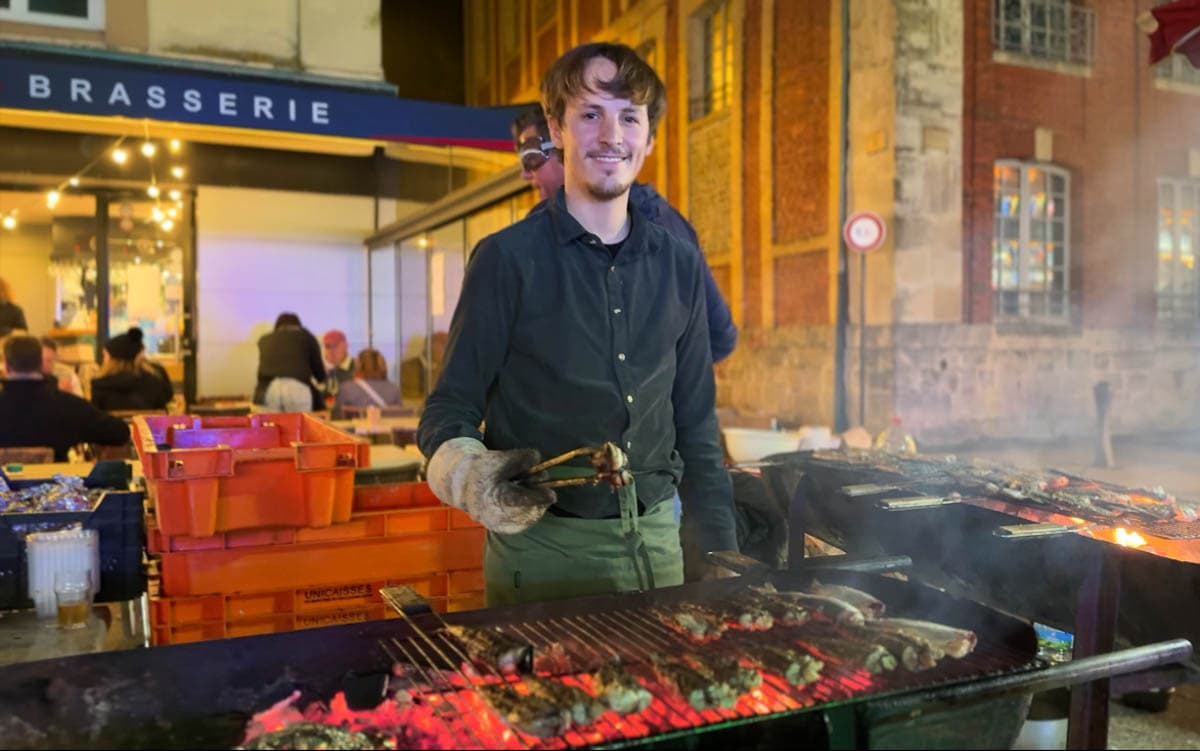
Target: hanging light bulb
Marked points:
152	191
52	199
74	182
148	149
178	172
157	214
174	145
174	194
9	221
120	155
168	225
171	212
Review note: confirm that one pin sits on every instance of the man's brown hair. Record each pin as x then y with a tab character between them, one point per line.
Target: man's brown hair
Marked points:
635	80
23	354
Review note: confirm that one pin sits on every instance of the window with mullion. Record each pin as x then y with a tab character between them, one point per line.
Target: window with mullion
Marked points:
1030	241
1177	287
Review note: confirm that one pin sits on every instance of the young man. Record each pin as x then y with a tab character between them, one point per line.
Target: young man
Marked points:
583	324
35	413
541	166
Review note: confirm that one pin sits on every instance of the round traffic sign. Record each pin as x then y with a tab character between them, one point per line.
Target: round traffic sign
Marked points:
864	231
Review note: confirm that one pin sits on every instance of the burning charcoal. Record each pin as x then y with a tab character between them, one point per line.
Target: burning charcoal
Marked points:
874	658
307	735
868	604
955	642
694	621
620	691
794	666
530	714
492	649
584	708
838	611
696	689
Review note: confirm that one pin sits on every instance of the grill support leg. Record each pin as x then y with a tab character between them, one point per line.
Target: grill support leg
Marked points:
1095	633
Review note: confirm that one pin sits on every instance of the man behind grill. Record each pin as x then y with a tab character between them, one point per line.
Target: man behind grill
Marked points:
581	324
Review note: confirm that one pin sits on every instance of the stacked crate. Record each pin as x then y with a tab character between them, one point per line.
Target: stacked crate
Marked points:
273	536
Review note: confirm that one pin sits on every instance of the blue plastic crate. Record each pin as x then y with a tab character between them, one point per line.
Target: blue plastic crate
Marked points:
119	520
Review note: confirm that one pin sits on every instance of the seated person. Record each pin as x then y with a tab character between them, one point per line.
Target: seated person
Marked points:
61	373
369	387
127	381
35	413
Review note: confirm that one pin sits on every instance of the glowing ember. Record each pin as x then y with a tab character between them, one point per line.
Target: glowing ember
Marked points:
1128	539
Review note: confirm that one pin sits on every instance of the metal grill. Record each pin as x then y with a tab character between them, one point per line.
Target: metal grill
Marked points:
436	661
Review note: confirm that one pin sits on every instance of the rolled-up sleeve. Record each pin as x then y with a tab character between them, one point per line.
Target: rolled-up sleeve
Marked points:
479	334
706	490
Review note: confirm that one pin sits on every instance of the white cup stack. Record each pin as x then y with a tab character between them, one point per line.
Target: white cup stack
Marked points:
47	553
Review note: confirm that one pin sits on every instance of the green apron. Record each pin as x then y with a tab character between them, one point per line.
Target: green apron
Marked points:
562	557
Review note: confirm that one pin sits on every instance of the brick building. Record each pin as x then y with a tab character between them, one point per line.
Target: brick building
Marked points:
1039	190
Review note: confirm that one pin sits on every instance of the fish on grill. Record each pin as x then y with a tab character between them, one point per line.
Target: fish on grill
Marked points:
795	666
783	611
490	648
869	605
694	621
833	608
730	671
530	713
955	642
313	735
751	613
619	690
583	707
913	651
699	690
868	655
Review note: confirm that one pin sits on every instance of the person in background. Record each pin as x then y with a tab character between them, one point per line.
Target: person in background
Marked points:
34	413
12	318
127	381
289	368
582	324
541	166
369	387
339	366
62	374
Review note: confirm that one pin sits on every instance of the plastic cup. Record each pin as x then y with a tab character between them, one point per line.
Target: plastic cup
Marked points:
73	596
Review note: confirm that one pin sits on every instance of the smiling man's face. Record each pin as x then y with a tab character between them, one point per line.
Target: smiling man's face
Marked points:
604	139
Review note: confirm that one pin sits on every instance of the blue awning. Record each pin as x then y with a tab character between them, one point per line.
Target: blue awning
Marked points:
50	78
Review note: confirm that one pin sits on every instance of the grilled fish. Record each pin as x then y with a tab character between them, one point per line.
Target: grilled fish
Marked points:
530	714
868	604
955	642
584	708
694	621
730	671
837	610
490	648
794	666
783	611
872	657
912	650
313	735
697	689
751	613
620	691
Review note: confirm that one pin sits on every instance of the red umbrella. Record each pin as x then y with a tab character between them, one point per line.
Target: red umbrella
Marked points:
1173	27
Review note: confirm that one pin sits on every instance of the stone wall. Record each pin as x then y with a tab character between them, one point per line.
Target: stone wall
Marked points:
786	373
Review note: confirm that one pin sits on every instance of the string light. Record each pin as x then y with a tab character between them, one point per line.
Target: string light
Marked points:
167	225
10	220
73	182
178	172
174	145
120	155
157	214
148	149
171	212
152	191
174	194
52	199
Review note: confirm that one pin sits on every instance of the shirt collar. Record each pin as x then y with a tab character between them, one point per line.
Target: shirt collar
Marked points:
567	229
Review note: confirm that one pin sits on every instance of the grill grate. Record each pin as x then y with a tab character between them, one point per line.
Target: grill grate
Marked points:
636	636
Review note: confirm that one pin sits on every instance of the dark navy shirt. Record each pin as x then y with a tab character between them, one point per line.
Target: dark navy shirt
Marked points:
555	344
722	332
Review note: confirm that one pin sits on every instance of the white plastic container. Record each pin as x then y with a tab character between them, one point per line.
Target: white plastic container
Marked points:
49	552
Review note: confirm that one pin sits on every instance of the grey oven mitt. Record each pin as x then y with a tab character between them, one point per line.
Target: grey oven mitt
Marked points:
467	475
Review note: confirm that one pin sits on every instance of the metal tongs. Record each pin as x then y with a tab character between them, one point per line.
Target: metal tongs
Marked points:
609	465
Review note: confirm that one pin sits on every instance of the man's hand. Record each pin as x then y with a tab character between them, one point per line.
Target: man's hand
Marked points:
467	475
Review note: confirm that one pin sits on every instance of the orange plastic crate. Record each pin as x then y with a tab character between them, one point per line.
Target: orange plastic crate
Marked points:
201	572
360	526
393	496
215	474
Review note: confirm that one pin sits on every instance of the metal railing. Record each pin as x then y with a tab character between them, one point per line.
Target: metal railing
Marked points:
1052	30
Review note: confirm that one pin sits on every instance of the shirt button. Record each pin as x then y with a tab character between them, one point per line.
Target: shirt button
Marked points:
616	311
629	398
621	356
628	444
612	268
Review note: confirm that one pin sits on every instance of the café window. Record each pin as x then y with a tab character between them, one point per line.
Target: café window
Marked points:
1176	285
1056	31
1031	241
72	14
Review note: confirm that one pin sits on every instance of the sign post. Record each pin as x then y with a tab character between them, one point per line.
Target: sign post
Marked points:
863	232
